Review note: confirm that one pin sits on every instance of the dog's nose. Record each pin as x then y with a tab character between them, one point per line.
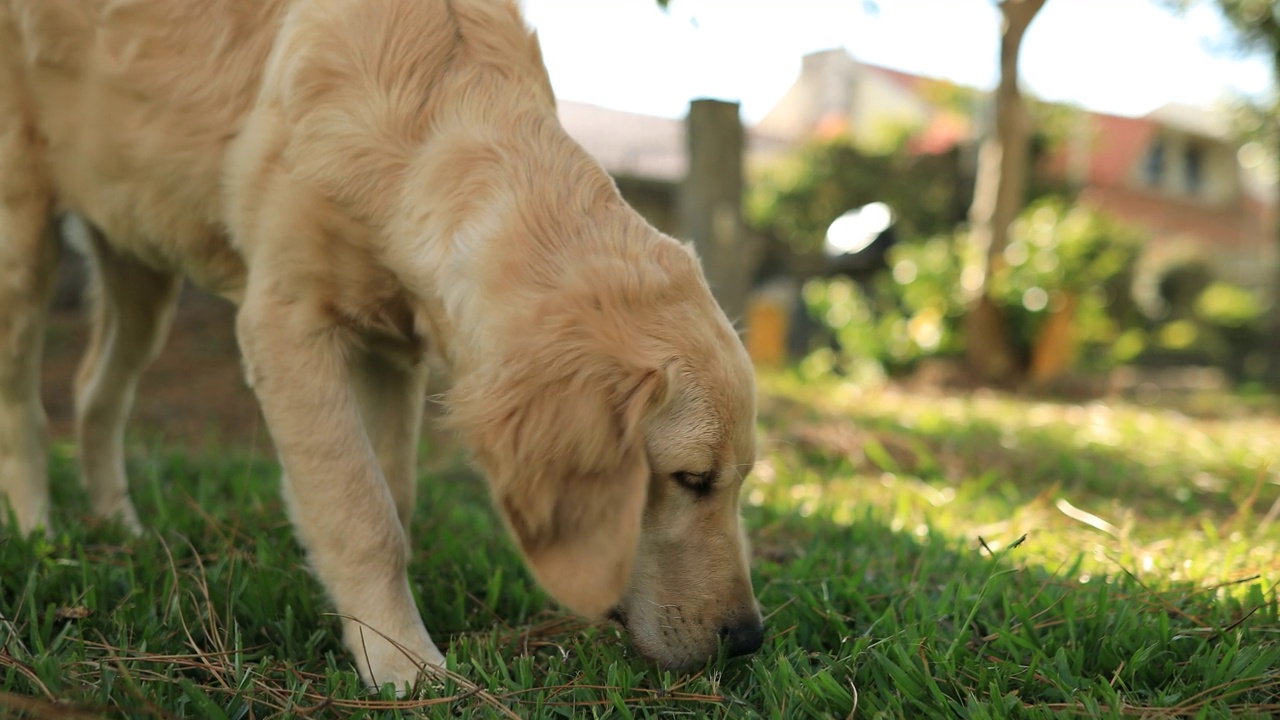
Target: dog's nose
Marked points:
743	638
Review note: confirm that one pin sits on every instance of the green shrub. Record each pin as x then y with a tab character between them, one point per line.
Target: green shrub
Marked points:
796	199
1227	306
909	312
1057	250
1192	318
915	309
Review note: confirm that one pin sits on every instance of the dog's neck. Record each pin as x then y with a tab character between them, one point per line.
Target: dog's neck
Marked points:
483	199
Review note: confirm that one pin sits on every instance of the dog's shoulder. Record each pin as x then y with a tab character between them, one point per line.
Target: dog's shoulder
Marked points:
362	87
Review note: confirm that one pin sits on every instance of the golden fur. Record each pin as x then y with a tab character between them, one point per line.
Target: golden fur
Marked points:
373	182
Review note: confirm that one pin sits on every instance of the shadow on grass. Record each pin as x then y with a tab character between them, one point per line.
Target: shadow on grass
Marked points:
212	614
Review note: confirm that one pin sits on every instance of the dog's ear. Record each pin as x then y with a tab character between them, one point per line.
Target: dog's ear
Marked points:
563	447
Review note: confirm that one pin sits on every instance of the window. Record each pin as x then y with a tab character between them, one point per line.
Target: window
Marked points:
1193	168
1153	165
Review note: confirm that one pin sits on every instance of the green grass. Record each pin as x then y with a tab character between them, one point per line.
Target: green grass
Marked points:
918	556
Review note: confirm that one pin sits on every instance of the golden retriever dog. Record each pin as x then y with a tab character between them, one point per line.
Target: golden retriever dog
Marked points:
377	184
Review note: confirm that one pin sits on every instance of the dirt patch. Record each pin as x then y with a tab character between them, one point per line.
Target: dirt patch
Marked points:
194	394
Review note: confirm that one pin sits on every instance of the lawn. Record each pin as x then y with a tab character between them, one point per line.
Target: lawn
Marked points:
918	555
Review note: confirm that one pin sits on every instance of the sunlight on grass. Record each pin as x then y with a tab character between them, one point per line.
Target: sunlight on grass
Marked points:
1121	488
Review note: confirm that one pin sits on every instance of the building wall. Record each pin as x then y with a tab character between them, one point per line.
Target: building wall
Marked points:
882	106
823	89
1109	159
1219	177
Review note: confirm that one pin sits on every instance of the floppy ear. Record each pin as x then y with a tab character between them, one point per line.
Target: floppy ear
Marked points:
563	448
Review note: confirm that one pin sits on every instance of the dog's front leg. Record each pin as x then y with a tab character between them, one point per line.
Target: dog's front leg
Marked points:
341	508
391	400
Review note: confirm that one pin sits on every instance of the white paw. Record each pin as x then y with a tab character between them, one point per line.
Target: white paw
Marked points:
124	513
381	662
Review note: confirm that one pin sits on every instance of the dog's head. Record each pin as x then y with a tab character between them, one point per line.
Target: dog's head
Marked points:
616	431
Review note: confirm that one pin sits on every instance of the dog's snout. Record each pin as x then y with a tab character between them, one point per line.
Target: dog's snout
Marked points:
743	638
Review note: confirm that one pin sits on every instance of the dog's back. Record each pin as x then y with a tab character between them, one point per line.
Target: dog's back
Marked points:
136	103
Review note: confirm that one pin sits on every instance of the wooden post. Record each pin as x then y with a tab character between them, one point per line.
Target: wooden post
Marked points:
710	203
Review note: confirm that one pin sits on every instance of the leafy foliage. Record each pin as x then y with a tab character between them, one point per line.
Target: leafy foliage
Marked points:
1189	317
1256	22
1228	306
1058	254
1056	251
912	312
798	199
915	309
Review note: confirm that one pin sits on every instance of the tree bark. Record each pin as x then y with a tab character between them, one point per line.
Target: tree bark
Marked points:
999	193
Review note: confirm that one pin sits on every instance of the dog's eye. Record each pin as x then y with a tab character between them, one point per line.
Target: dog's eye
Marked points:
697	483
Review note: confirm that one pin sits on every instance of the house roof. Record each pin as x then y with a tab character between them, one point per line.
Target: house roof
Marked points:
628	144
653	148
1117	144
904	80
1193	120
640	146
818	104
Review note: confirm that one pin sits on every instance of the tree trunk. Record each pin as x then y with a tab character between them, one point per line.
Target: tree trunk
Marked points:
1271	343
999	193
710	203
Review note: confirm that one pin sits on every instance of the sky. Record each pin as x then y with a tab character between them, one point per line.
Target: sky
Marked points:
1125	57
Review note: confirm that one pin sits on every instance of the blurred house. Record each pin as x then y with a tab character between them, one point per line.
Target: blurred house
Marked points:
875	106
646	155
1175	172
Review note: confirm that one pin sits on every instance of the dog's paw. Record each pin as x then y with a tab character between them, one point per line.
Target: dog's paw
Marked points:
400	667
120	511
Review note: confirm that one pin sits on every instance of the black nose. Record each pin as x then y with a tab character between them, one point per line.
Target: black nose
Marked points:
743	638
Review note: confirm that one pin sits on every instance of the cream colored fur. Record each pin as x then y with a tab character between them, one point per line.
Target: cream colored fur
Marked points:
374	181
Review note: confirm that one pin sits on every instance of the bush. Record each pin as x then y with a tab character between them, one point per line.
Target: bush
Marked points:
907	313
1192	318
1227	321
915	309
1228	306
1058	251
798	198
